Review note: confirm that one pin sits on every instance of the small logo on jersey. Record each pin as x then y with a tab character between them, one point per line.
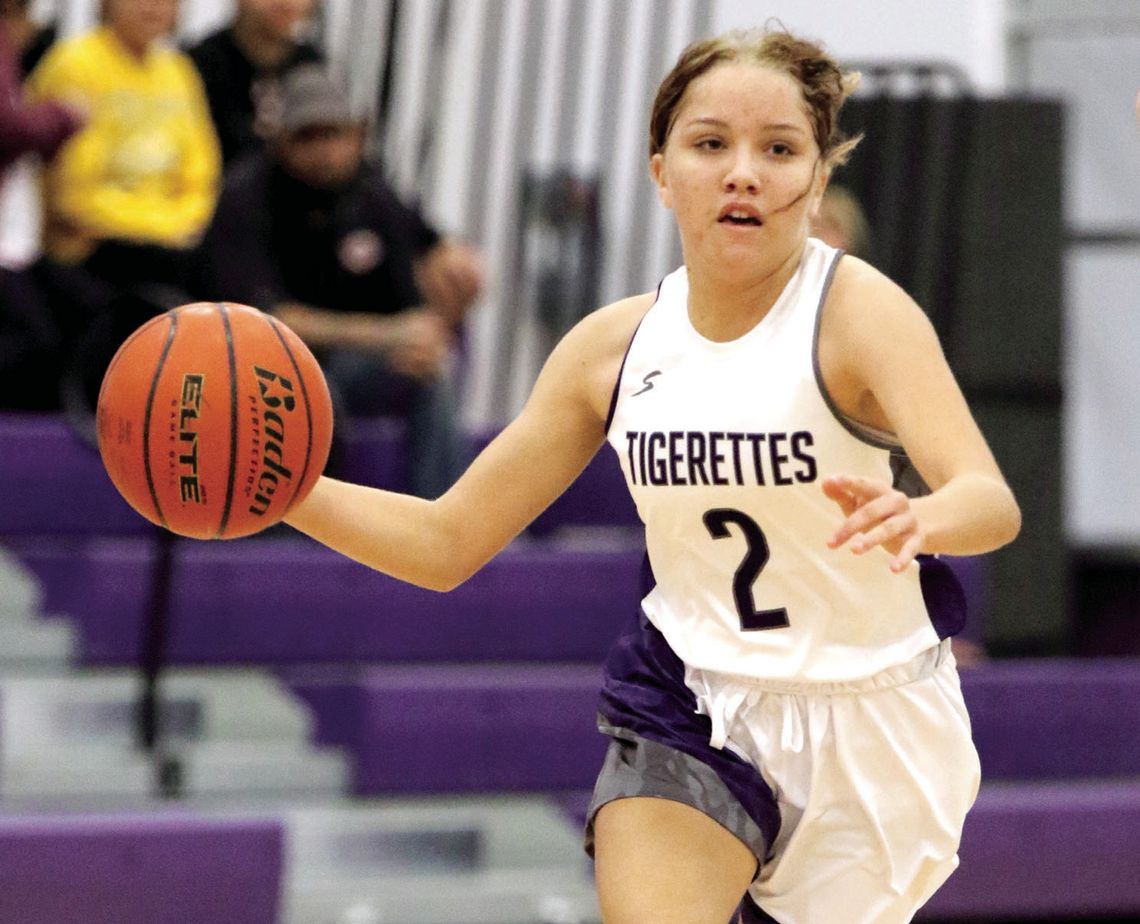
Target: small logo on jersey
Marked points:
647	382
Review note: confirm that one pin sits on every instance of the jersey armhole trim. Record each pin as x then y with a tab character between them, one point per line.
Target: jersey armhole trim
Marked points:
862	432
621	369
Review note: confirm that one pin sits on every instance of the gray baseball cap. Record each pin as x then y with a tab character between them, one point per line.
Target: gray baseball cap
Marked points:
311	96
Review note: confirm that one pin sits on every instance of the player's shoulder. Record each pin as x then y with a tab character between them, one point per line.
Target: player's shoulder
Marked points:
601	338
862	297
616	322
588	358
867	314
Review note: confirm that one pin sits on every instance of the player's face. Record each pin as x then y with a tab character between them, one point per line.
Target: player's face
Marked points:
741	168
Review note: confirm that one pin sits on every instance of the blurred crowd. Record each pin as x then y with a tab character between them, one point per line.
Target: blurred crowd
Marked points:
232	170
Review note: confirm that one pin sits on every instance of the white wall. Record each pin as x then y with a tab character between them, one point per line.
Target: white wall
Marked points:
968	33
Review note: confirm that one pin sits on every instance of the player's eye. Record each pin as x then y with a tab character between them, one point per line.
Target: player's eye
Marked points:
711	144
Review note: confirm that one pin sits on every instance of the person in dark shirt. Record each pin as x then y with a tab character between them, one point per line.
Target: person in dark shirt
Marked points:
309	230
242	64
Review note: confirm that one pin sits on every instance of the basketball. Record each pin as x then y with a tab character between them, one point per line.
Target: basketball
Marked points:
213	419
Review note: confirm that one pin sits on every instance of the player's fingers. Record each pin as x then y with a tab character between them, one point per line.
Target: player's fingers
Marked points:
884	533
847	502
856	486
865	517
907	554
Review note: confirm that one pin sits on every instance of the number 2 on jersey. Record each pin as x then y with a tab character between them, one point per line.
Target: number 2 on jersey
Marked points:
755	558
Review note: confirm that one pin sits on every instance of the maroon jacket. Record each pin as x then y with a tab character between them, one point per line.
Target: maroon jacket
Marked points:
40	127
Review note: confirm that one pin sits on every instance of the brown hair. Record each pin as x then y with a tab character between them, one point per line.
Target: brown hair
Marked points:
824	85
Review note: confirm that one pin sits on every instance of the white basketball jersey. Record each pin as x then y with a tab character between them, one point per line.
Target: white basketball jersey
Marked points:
724	448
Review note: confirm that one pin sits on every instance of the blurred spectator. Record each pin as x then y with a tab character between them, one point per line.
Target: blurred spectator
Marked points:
241	66
27	127
27	38
309	230
130	195
29	339
842	223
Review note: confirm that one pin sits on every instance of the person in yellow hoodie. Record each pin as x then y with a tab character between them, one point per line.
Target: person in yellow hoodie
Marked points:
129	196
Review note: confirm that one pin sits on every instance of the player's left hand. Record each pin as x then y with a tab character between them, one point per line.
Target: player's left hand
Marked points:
876	514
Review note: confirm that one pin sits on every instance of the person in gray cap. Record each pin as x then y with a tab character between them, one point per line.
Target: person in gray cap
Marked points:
309	230
242	64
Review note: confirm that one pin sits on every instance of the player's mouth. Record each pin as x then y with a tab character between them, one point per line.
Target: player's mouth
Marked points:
740	215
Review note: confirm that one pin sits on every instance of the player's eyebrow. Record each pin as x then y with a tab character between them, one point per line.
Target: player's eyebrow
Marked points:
771	126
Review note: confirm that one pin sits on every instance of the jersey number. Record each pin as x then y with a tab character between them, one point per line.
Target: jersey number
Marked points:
755	558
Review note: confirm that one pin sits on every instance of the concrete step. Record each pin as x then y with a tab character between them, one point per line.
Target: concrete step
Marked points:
20	594
476	860
45	709
72	736
37	643
77	775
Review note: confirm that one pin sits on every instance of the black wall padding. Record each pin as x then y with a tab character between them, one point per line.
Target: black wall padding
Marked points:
963	196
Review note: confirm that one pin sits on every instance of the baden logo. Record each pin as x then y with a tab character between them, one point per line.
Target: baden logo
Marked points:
277	399
190	403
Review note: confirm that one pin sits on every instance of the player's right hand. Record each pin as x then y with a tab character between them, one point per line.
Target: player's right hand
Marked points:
876	514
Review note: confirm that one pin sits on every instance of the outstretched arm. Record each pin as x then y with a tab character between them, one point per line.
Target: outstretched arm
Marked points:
439	544
889	370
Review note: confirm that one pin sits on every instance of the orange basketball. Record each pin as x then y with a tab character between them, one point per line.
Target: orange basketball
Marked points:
213	420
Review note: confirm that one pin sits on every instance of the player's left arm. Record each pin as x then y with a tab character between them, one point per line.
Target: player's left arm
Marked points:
888	354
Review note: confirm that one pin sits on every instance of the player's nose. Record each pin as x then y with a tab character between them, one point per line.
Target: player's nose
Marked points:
742	174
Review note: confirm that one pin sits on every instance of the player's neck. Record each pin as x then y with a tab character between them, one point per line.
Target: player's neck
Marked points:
724	306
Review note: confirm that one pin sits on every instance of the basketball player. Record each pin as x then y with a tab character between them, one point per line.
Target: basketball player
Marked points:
786	721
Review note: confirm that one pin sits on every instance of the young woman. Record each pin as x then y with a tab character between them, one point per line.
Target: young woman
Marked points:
787	726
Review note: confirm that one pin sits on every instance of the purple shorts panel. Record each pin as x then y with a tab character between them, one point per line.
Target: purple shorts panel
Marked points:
661	745
943	594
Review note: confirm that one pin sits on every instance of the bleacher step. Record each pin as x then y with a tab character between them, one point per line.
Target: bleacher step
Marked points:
289	601
38	710
76	773
39	643
499	860
235	733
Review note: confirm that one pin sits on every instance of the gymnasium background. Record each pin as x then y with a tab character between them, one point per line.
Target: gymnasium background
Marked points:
317	768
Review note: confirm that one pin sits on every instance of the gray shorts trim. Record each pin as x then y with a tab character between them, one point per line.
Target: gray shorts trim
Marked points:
635	766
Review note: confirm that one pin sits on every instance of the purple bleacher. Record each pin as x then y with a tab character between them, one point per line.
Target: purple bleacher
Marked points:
1056	718
435	728
51	483
515	725
139	869
1055	850
284	601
